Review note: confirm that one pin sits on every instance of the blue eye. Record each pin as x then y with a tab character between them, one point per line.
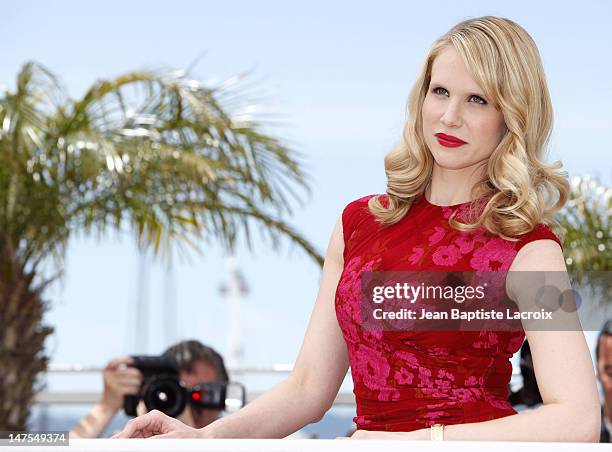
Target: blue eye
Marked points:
484	102
480	100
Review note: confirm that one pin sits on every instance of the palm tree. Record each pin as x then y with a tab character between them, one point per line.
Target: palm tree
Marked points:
154	152
585	224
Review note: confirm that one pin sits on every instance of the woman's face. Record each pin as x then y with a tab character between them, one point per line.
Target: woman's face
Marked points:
455	105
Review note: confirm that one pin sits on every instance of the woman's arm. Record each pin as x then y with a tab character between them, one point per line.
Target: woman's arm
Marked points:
309	391
302	398
564	372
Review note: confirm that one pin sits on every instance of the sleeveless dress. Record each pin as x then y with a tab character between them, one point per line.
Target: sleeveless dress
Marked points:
408	380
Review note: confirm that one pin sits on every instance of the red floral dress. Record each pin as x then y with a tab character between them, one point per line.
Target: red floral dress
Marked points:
409	380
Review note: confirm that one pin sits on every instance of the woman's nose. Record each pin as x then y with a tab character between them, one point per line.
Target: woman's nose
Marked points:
452	115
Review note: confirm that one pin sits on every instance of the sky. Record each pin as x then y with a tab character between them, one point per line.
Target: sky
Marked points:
338	74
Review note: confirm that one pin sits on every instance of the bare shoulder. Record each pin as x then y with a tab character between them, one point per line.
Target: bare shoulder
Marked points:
539	255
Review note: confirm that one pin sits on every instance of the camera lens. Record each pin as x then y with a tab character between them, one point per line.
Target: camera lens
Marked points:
165	393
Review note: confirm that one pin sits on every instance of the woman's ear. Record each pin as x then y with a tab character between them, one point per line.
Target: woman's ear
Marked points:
504	129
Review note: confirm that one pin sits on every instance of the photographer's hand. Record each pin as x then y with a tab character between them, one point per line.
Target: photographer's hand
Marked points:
156	424
119	380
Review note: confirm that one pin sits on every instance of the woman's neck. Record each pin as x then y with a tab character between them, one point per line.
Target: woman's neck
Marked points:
449	187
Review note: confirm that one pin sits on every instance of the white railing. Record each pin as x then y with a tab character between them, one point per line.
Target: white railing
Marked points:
301	445
80	368
72	398
90	397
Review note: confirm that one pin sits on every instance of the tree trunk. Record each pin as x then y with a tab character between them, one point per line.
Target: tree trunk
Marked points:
22	337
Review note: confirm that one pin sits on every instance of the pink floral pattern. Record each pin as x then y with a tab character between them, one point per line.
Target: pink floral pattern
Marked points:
467	241
436	236
403	376
407	380
416	255
496	254
472	380
446	255
371	367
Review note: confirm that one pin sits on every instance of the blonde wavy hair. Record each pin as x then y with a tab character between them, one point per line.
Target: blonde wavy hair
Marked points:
520	188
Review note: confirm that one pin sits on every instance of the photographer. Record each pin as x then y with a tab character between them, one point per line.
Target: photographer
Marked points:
197	363
529	395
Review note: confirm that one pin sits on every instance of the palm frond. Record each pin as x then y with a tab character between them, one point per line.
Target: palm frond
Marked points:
155	150
585	222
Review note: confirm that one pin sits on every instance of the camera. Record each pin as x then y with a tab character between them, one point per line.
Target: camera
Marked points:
162	390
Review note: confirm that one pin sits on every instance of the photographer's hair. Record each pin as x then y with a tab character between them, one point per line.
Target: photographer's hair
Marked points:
186	353
521	190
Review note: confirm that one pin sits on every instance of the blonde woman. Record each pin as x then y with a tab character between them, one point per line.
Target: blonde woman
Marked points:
468	190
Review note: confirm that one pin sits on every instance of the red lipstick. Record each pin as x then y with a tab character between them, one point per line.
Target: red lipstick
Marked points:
449	141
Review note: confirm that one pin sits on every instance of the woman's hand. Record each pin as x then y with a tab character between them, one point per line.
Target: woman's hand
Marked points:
157	424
